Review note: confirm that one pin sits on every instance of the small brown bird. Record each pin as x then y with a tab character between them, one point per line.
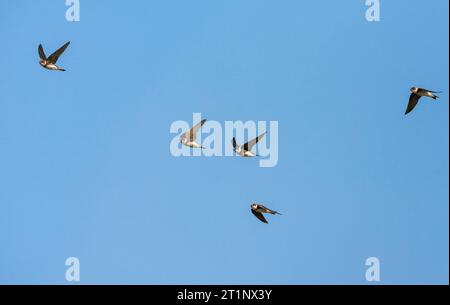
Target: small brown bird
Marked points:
50	62
258	210
189	138
416	94
245	150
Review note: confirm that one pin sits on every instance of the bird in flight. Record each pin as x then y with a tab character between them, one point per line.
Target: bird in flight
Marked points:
189	138
416	94
50	62
258	210
245	150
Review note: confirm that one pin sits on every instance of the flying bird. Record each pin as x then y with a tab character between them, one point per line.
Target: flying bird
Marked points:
245	150
258	210
416	94
188	138
50	62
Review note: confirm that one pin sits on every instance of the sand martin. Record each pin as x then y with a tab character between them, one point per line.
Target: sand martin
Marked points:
416	94
50	62
258	210
245	150
189	137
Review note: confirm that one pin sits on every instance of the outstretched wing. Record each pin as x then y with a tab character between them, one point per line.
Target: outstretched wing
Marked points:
41	52
260	216
413	100
267	210
234	143
249	145
192	134
55	56
425	90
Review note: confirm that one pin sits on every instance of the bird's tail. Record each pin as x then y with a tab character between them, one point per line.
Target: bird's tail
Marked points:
61	69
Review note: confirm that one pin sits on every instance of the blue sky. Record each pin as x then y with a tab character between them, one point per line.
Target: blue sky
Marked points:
86	171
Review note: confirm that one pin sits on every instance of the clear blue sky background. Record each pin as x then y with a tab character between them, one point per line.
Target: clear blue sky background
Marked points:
85	167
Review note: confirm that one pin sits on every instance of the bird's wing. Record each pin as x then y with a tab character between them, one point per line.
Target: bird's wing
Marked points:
413	100
249	145
55	56
42	53
192	134
267	210
425	90
259	216
234	143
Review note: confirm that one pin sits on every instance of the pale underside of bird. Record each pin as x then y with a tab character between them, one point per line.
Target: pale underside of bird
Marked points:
258	210
189	138
50	62
245	150
416	94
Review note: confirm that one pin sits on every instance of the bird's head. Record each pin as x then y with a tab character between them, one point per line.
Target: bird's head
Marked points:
414	89
42	62
254	206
